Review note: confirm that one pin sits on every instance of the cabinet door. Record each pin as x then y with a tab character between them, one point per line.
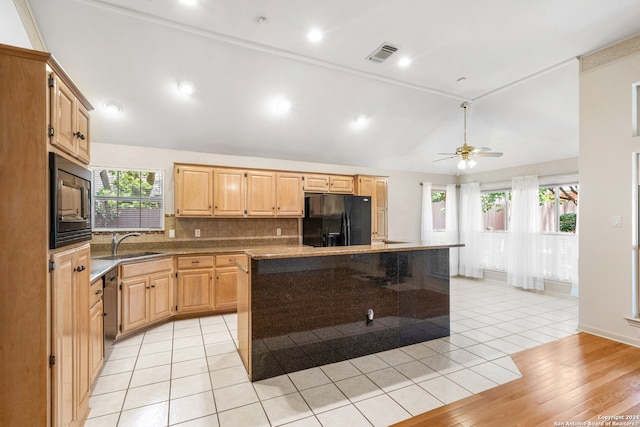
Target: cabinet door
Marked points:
290	197
226	289
193	191
380	205
364	186
195	290
63	111
261	193
135	308
160	300
97	338
316	183
83	333
229	192
62	334
82	133
341	184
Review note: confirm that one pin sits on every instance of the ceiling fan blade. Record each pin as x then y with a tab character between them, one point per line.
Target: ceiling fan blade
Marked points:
445	158
490	154
447	154
481	149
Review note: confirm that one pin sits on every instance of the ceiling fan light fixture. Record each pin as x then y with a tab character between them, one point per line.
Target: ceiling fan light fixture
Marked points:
466	164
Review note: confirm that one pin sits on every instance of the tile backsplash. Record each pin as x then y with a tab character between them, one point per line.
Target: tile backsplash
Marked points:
213	232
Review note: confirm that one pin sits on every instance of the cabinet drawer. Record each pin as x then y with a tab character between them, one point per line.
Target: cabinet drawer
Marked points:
227	260
202	261
146	267
95	292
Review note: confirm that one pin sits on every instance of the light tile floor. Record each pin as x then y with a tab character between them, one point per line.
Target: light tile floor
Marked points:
188	372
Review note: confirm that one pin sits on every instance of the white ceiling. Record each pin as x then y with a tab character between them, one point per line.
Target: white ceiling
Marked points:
519	58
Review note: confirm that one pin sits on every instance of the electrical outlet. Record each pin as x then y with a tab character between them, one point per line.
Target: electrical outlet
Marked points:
197	232
278	231
172	234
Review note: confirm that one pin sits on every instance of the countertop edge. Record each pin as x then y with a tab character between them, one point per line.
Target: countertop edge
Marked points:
100	266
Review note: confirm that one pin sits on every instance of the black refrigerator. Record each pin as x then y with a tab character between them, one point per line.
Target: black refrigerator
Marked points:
336	220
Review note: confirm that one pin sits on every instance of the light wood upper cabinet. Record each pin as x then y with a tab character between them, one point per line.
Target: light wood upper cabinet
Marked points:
290	196
316	183
193	191
70	332
340	184
364	185
261	193
376	188
69	122
229	192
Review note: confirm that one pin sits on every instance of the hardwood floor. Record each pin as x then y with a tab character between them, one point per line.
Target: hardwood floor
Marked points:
577	379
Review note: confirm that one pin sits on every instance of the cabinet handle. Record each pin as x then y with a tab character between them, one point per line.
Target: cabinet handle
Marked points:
195	262
147	287
98	292
153	286
79	135
79	269
232	260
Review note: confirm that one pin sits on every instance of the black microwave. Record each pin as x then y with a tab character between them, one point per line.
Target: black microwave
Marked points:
70	198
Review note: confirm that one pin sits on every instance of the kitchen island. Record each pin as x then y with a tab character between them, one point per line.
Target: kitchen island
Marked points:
304	307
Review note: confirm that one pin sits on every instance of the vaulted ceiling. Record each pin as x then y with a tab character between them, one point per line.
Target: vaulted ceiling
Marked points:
517	58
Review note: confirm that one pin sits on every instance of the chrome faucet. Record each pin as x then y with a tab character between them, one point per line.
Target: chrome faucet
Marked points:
115	242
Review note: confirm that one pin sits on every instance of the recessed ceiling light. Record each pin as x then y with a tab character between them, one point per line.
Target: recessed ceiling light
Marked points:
315	35
405	61
283	105
186	87
113	107
189	2
361	120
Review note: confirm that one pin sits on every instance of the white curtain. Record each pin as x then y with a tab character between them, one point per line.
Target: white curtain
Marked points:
451	221
523	246
426	228
470	230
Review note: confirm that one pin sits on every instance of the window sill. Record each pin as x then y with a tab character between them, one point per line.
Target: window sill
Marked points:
633	321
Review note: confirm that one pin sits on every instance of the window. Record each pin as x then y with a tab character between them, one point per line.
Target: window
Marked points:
438	202
558	208
496	208
128	200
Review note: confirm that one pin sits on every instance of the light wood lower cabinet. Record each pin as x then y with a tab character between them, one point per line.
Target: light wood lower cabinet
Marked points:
147	293
226	288
96	328
70	333
207	283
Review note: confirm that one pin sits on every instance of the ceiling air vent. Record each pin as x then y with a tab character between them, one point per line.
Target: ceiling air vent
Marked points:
382	53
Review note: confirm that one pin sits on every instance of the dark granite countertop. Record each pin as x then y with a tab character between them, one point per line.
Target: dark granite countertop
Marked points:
100	265
308	251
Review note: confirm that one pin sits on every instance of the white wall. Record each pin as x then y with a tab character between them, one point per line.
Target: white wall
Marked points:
556	167
606	151
404	187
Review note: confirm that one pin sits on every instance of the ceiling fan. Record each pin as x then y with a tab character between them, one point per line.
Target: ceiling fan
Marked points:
468	152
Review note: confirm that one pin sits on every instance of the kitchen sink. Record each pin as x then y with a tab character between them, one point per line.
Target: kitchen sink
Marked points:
131	255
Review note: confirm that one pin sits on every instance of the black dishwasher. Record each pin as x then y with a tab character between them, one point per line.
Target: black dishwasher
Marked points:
110	301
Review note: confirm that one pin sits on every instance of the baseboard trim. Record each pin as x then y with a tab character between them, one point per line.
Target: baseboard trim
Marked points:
555	288
635	342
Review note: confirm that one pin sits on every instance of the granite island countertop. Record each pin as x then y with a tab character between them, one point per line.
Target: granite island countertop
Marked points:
262	253
100	265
